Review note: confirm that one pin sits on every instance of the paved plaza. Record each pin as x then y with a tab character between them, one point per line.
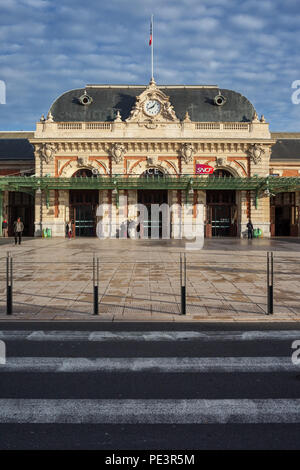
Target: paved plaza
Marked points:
140	280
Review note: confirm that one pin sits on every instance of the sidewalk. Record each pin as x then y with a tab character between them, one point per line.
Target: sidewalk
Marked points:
139	280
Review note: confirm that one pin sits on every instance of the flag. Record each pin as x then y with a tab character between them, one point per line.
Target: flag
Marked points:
150	40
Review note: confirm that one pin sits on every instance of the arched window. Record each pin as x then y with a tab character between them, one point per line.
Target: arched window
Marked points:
84	173
152	173
220	173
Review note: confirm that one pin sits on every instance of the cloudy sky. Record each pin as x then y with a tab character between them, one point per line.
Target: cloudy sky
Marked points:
50	46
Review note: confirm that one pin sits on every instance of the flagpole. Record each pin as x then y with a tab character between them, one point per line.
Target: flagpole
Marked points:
152	49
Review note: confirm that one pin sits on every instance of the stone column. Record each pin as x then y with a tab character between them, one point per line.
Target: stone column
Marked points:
244	211
200	200
297	203
175	214
1	211
38	211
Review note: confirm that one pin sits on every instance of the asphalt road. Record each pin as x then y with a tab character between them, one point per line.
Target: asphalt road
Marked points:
149	386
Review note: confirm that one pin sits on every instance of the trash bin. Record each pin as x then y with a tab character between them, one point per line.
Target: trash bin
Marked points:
257	233
49	232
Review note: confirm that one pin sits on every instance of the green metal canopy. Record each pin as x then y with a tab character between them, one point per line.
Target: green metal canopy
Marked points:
186	182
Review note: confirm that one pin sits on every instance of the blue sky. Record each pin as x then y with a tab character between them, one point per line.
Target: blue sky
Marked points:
48	47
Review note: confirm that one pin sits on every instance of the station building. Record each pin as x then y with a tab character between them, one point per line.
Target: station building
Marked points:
103	144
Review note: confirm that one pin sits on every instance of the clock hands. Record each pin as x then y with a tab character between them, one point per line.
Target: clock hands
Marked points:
152	107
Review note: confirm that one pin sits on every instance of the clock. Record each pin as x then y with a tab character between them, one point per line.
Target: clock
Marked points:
152	107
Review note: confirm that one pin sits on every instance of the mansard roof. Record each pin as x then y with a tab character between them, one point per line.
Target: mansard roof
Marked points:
108	99
16	146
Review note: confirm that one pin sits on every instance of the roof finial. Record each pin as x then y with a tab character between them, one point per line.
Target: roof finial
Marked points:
49	117
187	117
118	117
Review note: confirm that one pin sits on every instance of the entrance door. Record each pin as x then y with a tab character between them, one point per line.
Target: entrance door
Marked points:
284	215
148	197
221	221
84	221
21	205
221	214
83	207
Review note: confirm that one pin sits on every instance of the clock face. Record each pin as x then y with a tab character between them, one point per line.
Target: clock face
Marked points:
152	107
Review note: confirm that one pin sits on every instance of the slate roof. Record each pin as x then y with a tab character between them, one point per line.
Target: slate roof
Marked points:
286	149
198	101
16	146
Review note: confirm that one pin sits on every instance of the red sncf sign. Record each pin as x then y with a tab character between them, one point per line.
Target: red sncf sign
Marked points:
202	169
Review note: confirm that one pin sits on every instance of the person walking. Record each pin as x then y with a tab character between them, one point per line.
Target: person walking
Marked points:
18	230
250	230
5	228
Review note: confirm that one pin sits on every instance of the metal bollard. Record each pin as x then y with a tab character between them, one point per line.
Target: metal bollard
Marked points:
96	284
183	282
270	282
9	284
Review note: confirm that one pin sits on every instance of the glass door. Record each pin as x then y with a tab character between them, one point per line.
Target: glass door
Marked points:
84	221
221	221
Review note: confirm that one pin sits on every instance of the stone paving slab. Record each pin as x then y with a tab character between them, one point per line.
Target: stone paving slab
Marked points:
139	280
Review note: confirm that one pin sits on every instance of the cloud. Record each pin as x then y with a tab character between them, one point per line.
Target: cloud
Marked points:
248	22
50	47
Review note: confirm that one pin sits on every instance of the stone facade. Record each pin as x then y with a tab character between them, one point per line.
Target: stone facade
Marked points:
152	137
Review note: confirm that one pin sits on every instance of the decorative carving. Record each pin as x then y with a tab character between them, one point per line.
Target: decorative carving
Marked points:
221	161
255	152
165	114
262	119
151	125
83	162
187	151
168	112
117	152
47	152
152	161
134	113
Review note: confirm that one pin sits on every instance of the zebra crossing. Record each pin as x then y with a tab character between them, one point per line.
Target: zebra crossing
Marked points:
54	388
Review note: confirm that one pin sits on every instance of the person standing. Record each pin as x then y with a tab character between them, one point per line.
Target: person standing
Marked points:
18	230
5	228
69	229
250	229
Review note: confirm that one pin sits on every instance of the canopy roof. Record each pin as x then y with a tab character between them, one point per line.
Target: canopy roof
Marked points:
186	182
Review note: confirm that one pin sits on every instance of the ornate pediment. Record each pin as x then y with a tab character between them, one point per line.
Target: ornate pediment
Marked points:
152	106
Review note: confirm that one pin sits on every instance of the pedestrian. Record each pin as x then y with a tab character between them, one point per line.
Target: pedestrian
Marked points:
18	230
5	228
69	230
250	229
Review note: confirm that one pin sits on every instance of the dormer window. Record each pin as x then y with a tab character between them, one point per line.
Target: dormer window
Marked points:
85	99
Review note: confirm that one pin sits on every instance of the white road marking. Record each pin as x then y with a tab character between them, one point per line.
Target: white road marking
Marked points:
103	336
148	364
150	411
